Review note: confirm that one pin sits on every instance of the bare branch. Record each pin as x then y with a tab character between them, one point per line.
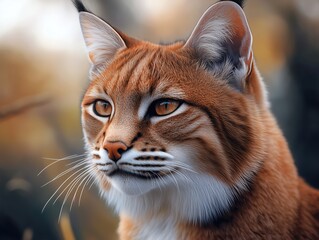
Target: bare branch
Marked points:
23	105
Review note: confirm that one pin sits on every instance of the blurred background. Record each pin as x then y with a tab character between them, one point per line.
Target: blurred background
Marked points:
43	74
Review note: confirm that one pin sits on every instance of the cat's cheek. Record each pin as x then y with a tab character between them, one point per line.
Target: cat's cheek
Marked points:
182	126
90	136
91	126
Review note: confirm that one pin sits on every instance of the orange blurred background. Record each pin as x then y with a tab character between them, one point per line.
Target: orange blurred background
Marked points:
43	74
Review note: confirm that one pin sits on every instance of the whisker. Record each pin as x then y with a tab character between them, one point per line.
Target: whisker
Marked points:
87	181
183	175
65	158
62	185
65	172
157	179
71	183
172	175
158	183
94	181
73	162
182	165
79	185
71	186
174	170
168	168
162	179
55	162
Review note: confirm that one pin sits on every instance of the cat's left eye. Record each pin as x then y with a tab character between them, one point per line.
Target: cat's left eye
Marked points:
165	107
102	108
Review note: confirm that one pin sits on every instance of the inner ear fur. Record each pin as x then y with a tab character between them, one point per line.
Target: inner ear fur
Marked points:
222	43
102	41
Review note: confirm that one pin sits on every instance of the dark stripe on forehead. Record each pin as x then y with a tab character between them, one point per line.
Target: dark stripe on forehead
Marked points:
165	64
135	60
154	73
114	71
148	78
124	60
124	57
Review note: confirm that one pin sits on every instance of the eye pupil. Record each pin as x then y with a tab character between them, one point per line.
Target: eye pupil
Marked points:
166	105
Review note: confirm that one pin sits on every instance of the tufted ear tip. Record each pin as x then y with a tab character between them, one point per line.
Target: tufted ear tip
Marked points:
80	6
239	2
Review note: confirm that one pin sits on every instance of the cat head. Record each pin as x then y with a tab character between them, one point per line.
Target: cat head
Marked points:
159	116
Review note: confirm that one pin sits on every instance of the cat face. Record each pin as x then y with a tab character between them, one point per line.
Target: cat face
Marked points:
176	116
142	122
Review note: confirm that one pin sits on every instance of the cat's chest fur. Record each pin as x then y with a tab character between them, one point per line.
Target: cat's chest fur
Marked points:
159	214
157	229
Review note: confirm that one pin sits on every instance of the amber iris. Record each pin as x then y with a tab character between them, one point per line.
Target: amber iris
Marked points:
102	108
165	107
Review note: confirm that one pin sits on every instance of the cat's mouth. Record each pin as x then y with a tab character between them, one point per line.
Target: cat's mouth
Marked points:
138	174
136	164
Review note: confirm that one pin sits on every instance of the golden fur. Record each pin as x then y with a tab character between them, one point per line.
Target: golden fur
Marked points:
230	131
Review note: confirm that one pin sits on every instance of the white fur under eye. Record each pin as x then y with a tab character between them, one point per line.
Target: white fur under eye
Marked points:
144	105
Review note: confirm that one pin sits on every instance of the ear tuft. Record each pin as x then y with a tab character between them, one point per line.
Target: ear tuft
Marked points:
239	2
80	6
101	40
222	43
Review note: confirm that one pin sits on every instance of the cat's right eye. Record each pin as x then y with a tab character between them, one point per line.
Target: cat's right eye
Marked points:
102	108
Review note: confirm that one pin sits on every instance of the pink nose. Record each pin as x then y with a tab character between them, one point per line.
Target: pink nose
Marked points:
115	149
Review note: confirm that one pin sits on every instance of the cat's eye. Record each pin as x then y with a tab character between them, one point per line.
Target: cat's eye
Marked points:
165	106
102	108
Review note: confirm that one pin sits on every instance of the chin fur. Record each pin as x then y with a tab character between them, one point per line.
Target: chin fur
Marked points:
197	199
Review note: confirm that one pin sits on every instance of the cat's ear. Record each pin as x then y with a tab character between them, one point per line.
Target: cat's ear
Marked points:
222	43
101	40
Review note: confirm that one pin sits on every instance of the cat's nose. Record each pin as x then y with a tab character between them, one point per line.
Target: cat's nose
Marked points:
115	149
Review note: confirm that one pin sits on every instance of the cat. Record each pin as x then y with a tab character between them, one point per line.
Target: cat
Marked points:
181	137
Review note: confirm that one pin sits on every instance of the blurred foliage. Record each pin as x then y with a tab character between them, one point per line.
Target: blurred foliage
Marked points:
43	62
